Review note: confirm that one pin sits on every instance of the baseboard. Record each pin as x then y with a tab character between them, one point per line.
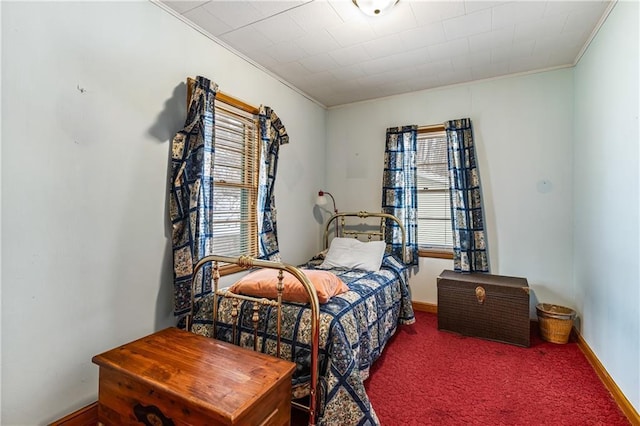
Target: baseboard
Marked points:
86	416
425	307
611	386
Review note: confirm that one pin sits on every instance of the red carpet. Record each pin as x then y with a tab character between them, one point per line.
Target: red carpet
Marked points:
431	377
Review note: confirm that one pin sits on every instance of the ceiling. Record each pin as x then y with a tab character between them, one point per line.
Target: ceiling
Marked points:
334	54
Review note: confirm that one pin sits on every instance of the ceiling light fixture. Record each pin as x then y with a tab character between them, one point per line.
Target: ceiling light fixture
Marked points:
375	7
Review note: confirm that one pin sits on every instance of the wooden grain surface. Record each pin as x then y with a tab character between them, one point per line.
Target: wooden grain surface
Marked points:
199	375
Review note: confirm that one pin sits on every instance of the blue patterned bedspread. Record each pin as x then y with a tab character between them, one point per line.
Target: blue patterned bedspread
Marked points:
354	329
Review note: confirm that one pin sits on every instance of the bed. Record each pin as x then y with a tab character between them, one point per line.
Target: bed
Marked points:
333	344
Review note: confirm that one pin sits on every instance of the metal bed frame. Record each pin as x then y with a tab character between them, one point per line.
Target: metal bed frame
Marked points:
247	262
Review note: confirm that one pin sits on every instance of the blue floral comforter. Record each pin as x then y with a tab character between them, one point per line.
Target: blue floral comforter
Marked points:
354	329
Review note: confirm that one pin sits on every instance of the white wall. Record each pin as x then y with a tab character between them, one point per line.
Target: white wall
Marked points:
523	133
606	266
92	94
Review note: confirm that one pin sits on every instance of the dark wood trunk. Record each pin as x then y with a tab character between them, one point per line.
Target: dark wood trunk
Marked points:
488	306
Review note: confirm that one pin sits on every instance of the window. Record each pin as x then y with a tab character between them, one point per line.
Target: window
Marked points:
235	176
435	237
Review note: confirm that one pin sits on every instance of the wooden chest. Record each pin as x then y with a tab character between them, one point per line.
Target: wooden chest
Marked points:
174	377
492	307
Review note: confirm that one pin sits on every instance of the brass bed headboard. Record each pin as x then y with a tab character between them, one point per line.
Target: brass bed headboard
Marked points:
345	230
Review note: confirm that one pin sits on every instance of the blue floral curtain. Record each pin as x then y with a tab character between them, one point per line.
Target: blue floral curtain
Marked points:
190	198
272	134
399	192
469	238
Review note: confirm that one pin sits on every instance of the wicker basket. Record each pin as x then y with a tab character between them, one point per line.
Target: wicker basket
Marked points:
555	322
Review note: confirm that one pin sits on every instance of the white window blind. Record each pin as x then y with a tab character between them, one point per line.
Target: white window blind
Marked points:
235	181
434	204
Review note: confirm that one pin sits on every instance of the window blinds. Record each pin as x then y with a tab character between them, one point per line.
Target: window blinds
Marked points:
235	181
434	204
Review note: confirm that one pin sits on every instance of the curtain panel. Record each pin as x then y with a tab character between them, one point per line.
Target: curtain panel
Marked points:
191	193
469	238
399	192
272	134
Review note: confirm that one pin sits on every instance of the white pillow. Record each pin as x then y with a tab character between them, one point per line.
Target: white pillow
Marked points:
354	254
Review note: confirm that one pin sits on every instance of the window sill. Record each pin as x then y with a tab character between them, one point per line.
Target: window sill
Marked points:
436	253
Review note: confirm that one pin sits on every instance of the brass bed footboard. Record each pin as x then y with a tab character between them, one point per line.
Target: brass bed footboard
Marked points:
247	262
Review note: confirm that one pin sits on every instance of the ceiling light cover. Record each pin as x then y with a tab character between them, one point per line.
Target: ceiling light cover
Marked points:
375	7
